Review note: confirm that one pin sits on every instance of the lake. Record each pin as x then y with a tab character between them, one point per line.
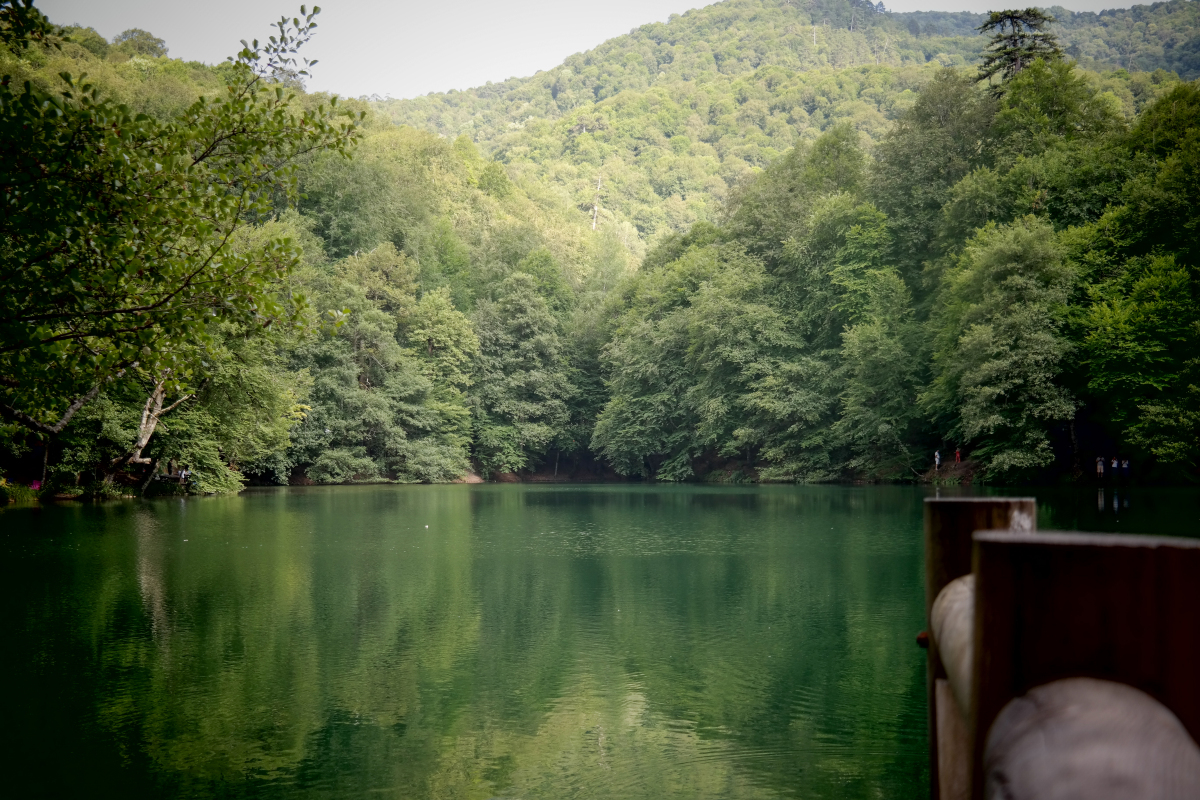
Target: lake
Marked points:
508	641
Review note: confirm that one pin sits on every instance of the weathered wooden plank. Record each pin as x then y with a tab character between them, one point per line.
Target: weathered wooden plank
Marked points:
949	523
954	752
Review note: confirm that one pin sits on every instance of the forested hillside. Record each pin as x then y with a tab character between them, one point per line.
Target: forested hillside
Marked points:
739	37
1031	300
796	271
671	116
432	298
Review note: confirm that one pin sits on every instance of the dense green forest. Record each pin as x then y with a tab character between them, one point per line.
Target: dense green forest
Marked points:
673	115
703	251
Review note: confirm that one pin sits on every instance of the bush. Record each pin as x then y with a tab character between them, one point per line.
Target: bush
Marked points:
15	493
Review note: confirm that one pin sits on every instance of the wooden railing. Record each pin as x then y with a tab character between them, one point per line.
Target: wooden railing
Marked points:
1045	606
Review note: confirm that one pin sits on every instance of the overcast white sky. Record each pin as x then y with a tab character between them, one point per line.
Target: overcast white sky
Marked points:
404	48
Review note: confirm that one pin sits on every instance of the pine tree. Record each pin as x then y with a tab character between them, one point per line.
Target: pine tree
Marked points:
1018	39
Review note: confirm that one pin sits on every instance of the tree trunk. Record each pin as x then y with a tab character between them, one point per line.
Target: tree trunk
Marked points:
1076	467
152	412
150	478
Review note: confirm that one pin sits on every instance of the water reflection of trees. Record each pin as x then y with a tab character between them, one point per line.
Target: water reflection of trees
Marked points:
532	643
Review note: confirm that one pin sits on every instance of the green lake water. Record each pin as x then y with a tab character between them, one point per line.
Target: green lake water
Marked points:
481	641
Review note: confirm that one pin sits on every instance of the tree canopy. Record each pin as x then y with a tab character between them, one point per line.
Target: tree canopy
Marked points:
118	228
799	270
136	41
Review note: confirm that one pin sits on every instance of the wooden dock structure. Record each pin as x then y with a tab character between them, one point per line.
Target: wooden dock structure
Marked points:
1088	643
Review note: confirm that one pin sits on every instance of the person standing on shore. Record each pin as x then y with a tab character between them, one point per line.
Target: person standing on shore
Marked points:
958	455
1099	468
937	460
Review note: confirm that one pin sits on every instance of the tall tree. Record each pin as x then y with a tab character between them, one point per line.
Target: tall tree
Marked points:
379	409
1002	346
117	227
137	42
1141	327
443	343
1048	104
881	371
930	149
1018	39
520	382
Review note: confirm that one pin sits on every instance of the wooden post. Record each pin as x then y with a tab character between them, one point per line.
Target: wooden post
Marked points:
1058	605
949	524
